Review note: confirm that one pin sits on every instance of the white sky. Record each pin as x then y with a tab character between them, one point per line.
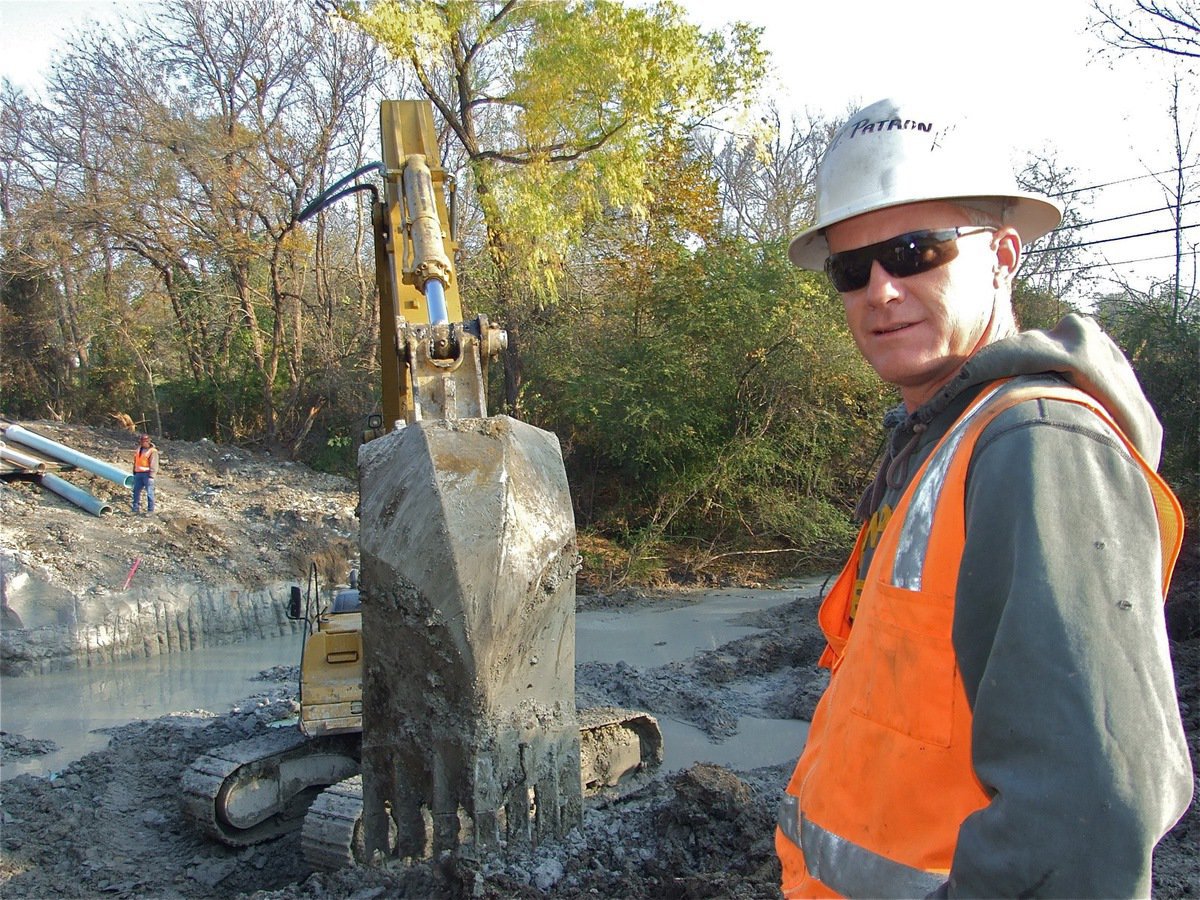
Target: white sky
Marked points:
1031	62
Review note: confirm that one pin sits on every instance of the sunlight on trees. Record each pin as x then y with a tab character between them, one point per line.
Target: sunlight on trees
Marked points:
558	108
624	207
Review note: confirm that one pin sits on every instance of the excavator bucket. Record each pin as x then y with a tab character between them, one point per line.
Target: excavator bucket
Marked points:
470	732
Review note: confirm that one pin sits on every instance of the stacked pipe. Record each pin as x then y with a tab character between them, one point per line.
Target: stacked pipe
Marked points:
62	453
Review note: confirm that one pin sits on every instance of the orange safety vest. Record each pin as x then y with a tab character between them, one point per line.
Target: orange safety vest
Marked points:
886	779
142	459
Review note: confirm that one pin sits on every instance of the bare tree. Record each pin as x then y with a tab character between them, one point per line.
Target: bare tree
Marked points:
1052	265
766	179
1163	27
1160	327
174	159
1177	191
1171	29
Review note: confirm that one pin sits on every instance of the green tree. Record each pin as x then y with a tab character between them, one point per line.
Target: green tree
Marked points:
35	370
731	414
558	108
1160	330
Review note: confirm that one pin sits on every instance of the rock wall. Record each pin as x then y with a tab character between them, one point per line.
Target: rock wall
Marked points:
48	630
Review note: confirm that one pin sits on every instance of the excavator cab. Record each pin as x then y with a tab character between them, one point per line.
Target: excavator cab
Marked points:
331	664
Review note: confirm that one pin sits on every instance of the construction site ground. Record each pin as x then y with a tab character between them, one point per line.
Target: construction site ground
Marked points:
110	825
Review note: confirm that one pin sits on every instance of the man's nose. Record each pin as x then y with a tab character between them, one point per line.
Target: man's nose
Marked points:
883	287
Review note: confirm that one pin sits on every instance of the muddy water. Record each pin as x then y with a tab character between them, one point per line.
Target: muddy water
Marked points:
656	635
69	707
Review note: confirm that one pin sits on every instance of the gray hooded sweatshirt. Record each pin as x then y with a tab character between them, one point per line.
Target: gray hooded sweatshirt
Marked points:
1059	628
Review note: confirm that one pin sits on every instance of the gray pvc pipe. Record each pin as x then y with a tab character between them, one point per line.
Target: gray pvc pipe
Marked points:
76	495
21	459
66	454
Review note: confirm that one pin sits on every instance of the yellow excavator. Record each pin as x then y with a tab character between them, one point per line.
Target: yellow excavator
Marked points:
436	690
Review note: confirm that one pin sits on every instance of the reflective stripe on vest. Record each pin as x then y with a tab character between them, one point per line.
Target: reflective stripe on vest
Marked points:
851	870
914	536
913	541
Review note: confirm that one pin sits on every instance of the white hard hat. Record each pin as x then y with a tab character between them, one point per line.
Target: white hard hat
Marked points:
891	153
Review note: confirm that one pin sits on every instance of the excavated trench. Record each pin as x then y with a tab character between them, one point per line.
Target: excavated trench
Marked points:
111	688
49	629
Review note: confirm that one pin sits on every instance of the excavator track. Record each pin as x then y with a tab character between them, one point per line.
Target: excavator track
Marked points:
257	789
332	834
618	748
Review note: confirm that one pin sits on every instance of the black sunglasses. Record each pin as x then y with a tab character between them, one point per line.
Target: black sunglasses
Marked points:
901	256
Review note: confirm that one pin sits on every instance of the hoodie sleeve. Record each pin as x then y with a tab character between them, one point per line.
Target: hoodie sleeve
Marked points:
1060	637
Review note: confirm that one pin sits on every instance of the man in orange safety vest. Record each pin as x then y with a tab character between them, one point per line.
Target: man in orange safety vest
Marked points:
145	468
1001	718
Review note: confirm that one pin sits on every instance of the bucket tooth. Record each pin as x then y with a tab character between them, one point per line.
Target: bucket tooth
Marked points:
470	736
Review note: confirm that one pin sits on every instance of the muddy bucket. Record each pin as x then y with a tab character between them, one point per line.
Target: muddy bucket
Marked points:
470	734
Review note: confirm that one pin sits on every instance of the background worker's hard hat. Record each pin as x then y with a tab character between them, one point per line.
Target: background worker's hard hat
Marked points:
891	153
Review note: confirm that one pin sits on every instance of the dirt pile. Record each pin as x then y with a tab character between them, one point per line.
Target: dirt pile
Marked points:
110	824
232	531
222	513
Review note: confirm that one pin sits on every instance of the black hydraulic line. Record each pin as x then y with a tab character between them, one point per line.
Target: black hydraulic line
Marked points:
333	193
329	199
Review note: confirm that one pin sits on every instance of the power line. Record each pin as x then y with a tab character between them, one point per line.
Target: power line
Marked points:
1127	237
1125	262
1145	212
1096	187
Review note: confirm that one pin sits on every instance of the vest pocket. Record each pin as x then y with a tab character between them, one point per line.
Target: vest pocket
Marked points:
900	662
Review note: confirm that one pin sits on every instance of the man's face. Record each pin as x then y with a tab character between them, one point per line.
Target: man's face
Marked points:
146	442
916	332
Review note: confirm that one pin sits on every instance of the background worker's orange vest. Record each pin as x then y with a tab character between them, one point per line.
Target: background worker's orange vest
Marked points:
886	778
142	459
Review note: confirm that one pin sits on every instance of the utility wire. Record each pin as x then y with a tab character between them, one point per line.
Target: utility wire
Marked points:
1127	237
1125	262
1146	212
1096	187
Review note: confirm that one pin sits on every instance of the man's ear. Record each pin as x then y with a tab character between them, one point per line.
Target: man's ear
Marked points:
1007	244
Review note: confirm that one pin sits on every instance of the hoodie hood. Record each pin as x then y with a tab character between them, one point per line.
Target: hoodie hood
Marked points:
1075	349
1088	359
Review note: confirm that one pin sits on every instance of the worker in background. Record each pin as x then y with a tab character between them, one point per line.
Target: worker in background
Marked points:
1001	717
145	467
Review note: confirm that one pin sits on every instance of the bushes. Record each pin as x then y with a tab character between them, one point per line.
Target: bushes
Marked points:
723	407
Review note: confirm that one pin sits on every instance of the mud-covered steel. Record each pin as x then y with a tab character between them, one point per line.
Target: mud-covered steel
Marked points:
76	495
20	435
254	790
331	676
331	837
617	747
447	370
468	579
